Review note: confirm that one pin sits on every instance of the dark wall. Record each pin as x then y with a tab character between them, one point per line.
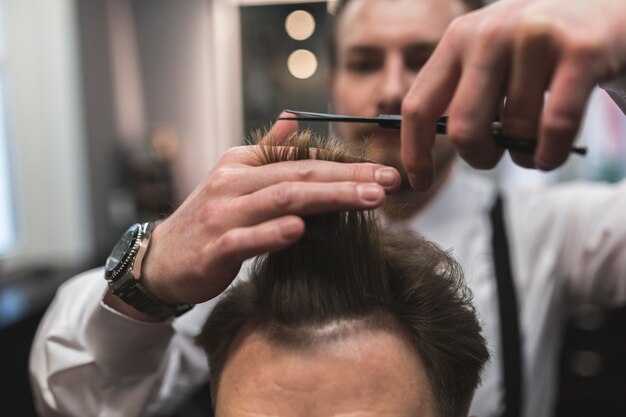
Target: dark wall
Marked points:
16	399
268	87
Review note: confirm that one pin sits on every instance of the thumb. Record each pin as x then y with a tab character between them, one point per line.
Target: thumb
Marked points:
280	131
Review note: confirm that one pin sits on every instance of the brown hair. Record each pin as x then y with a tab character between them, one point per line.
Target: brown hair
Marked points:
338	11
348	270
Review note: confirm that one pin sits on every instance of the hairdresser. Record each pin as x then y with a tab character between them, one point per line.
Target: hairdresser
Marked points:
96	354
530	255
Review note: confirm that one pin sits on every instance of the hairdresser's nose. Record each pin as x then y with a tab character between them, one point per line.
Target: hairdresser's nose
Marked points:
394	84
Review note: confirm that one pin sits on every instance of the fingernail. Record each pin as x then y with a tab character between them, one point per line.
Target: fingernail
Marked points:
290	229
543	165
386	177
369	192
417	183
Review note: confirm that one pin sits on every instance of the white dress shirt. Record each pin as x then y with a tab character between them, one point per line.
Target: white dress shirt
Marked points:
568	247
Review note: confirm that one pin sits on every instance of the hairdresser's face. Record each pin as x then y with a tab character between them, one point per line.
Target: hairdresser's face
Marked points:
381	45
370	373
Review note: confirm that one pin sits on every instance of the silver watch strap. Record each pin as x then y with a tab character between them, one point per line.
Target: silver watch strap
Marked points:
134	294
129	289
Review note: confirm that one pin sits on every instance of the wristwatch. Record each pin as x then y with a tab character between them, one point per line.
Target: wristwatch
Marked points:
123	273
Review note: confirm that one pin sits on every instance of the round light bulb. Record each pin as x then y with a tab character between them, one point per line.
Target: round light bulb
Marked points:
302	64
300	25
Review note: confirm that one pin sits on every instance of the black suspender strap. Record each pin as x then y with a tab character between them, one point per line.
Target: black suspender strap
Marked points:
509	323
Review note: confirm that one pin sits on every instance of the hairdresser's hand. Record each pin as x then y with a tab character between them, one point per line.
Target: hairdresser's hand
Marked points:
518	49
242	210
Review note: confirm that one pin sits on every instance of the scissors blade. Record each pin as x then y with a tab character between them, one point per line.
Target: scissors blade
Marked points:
394	121
384	120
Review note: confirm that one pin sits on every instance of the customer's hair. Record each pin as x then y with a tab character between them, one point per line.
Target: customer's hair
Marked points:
350	273
340	7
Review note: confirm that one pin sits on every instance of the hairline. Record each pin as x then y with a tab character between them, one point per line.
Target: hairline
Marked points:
354	327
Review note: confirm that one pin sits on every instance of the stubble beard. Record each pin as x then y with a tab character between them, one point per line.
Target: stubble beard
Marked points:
384	147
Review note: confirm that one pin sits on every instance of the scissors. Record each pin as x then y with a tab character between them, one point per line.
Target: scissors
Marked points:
394	121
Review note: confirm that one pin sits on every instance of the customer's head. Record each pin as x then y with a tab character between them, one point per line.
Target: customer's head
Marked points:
351	320
376	49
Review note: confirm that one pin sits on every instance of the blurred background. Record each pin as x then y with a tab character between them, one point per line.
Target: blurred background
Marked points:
111	111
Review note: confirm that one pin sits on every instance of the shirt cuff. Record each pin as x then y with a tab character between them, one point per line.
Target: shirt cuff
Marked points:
124	346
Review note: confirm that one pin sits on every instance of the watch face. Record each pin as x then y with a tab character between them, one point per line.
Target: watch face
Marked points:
121	249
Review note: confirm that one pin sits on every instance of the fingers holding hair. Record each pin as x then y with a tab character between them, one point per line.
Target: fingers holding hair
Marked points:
281	130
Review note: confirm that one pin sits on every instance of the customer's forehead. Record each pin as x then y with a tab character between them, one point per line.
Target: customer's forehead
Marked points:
395	23
368	371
